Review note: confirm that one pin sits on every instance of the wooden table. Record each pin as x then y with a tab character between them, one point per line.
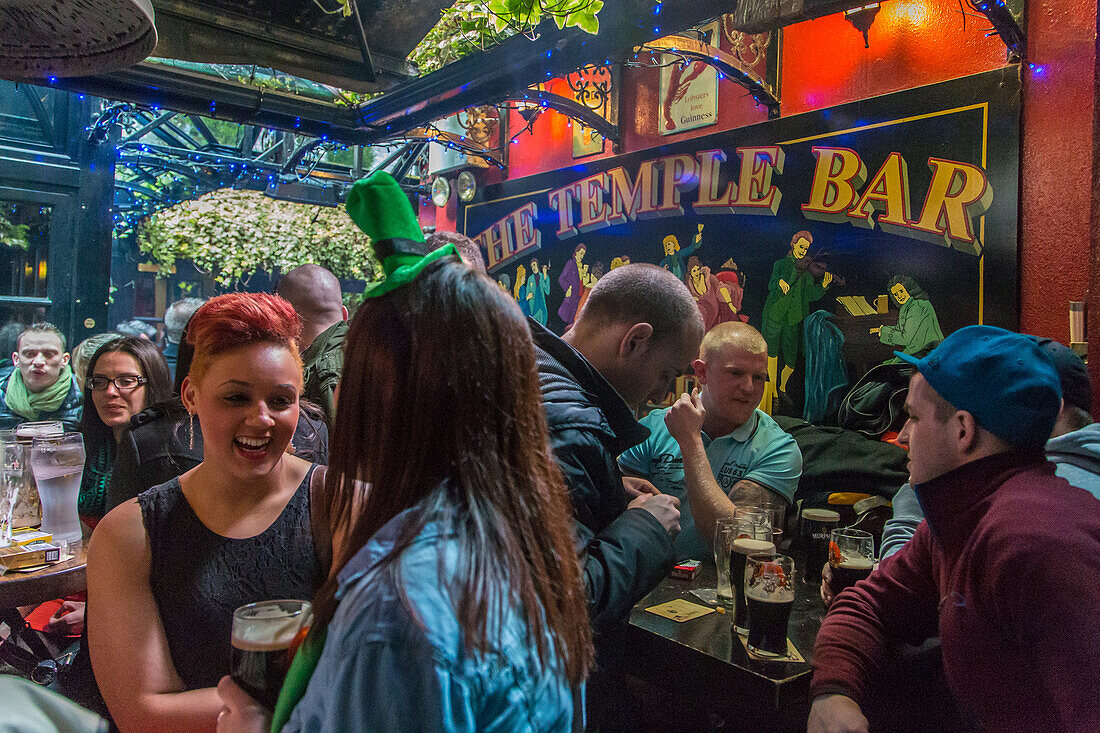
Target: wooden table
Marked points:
23	649
702	673
52	581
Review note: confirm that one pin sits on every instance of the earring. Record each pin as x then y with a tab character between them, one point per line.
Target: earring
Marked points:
191	430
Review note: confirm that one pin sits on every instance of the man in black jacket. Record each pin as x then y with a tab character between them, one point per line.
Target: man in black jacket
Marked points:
638	330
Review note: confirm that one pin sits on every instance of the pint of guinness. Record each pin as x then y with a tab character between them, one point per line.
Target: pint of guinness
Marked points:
741	549
814	537
265	637
851	557
769	592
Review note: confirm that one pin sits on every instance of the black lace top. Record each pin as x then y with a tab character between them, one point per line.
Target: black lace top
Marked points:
199	578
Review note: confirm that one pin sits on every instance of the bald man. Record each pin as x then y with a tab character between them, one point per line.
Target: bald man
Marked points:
315	294
714	449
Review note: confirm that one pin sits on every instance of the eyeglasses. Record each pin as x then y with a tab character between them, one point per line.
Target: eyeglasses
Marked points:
123	383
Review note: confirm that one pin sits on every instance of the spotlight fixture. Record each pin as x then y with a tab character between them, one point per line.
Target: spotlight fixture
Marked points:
441	191
466	185
862	18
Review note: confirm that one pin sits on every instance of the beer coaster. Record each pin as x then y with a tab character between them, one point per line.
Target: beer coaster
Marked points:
792	653
680	610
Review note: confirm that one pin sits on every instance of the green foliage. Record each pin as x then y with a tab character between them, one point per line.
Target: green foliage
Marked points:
232	234
474	25
13	235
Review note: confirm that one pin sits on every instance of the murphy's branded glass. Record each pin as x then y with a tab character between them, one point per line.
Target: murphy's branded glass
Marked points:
769	590
851	557
265	637
816	526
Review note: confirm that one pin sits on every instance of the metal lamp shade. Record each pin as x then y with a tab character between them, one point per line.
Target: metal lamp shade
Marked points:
40	39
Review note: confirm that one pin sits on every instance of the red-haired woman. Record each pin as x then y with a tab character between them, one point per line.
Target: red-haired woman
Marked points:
166	570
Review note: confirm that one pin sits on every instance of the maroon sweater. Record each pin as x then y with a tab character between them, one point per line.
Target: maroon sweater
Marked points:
1006	570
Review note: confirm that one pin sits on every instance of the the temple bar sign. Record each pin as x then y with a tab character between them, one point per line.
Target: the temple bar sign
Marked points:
892	219
956	196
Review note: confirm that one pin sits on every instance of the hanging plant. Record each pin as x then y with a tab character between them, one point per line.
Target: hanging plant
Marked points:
13	235
474	25
232	233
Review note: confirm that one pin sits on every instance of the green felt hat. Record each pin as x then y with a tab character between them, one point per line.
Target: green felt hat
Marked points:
381	209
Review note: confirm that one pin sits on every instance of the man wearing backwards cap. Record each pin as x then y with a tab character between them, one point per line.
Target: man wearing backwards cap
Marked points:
1006	569
1074	448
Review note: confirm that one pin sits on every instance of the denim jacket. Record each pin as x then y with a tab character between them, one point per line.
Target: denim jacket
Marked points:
390	665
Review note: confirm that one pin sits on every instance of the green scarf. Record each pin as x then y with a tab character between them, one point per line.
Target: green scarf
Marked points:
92	501
29	404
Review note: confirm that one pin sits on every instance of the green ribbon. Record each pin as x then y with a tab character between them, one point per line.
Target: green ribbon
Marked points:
297	678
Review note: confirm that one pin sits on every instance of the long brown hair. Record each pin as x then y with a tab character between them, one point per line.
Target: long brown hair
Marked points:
439	409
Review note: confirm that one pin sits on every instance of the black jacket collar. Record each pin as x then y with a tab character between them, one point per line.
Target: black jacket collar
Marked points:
575	393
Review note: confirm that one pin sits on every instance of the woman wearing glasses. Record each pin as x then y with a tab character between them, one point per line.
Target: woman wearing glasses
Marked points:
125	375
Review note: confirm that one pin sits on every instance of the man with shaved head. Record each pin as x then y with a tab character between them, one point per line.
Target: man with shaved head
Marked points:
638	330
315	294
714	449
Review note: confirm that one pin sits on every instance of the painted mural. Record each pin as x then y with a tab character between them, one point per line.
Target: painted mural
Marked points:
842	234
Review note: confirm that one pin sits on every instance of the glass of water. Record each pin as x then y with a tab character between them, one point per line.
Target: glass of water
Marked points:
11	479
58	465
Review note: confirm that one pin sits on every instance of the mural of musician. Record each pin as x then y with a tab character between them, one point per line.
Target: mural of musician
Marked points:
571	282
588	279
675	257
918	328
733	280
505	282
711	295
619	261
791	289
519	290
534	295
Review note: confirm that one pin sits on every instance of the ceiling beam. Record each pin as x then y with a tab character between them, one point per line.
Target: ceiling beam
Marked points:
519	62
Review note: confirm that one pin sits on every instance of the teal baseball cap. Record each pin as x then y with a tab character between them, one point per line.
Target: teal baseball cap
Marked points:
1004	379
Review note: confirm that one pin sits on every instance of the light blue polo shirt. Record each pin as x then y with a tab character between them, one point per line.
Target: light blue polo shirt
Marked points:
759	450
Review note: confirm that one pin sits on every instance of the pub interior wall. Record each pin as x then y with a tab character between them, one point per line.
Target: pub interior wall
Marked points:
912	43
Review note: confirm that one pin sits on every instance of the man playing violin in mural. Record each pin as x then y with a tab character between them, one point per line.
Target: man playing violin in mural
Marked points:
793	286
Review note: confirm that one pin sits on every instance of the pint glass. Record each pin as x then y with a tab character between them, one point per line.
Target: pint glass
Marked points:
742	548
265	637
814	537
724	533
769	590
851	557
58	465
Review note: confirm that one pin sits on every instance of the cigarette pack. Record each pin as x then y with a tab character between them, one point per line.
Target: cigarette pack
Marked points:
29	535
15	557
687	570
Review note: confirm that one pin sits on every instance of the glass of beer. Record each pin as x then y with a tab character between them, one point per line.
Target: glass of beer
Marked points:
769	592
851	557
743	547
724	533
814	538
265	637
58	465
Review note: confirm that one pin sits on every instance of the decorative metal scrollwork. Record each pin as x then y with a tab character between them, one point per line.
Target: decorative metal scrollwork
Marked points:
481	124
750	49
592	87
